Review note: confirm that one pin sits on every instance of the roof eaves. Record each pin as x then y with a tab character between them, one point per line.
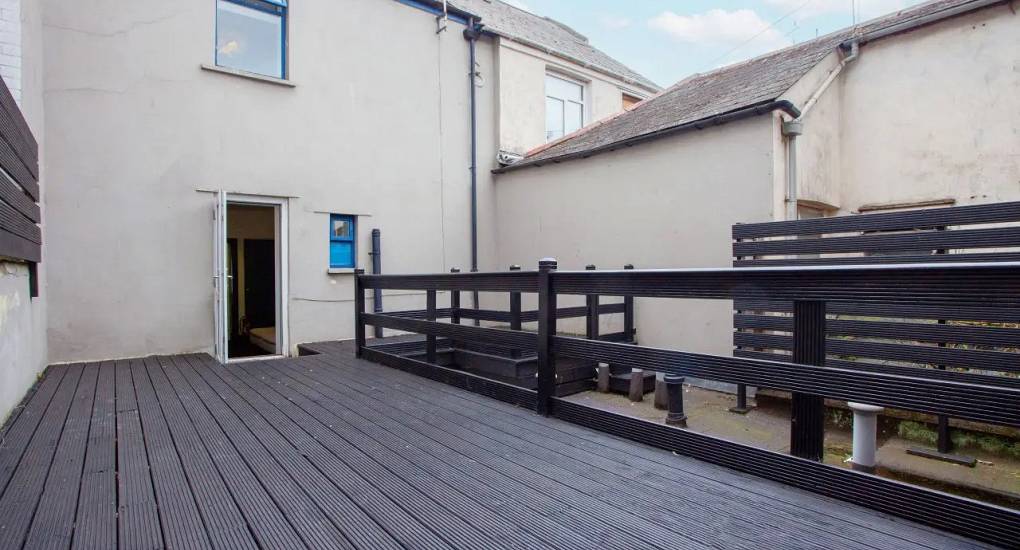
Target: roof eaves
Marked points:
921	21
714	120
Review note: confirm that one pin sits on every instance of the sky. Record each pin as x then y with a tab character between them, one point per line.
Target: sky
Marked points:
667	40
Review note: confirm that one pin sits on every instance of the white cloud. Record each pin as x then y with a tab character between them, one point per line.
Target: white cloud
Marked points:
614	22
866	9
723	29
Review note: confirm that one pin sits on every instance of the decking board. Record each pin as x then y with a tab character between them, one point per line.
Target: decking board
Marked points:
510	423
19	501
328	451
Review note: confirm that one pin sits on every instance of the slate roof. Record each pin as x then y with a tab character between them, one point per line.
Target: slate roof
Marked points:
547	34
700	97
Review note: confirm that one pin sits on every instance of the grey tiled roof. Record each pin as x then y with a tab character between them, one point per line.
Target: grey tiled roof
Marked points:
702	96
559	39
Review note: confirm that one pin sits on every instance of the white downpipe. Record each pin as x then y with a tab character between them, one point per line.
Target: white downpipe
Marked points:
795	127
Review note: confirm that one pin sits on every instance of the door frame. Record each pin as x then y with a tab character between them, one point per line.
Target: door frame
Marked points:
282	245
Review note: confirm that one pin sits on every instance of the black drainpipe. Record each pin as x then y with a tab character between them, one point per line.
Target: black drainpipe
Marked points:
376	254
471	34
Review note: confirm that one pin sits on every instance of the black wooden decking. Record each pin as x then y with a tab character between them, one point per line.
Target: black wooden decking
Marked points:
327	451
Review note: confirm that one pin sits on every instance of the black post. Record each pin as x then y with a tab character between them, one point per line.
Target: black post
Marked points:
675	396
944	444
591	332
430	315
359	311
376	254
455	302
455	308
592	302
636	392
628	313
546	332
741	407
807	421
515	312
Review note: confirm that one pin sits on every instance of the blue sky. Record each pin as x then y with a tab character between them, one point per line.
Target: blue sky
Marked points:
667	40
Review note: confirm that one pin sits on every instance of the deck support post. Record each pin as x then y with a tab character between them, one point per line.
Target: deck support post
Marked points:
359	311
741	407
515	313
430	314
675	393
865	436
636	391
807	420
546	333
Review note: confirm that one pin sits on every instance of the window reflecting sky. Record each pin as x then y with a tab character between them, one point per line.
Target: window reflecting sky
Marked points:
249	39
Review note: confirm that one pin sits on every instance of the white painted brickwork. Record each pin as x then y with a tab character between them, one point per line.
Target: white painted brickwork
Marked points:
10	46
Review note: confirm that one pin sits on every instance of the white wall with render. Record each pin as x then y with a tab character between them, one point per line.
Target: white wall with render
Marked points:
376	125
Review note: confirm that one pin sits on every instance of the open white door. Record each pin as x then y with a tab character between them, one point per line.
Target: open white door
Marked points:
221	277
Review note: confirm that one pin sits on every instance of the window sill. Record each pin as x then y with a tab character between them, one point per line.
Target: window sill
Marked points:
340	271
250	76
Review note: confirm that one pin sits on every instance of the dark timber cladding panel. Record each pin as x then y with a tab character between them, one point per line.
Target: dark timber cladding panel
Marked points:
20	237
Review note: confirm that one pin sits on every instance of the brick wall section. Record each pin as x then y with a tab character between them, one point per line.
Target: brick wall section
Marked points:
10	46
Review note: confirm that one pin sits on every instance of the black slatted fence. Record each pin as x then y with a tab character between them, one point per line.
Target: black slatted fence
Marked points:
978	343
20	214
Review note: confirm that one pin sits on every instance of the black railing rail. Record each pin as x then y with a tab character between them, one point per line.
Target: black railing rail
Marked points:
992	286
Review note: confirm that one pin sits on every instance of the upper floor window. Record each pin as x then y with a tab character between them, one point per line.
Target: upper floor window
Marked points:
342	241
251	35
630	101
564	106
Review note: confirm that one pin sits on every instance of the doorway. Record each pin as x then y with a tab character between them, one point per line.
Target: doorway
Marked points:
250	254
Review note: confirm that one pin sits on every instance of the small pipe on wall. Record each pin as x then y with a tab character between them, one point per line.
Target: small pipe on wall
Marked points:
795	127
471	34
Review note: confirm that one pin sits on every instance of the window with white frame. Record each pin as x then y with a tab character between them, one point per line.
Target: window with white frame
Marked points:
251	36
564	106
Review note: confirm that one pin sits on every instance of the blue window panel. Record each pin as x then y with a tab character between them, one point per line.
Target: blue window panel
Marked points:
342	241
341	254
251	36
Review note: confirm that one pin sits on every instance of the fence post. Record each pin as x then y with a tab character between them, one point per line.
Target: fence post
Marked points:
807	419
637	376
430	315
591	332
546	332
628	312
455	302
359	311
515	313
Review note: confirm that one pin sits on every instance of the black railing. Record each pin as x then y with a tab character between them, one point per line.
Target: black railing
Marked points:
960	395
